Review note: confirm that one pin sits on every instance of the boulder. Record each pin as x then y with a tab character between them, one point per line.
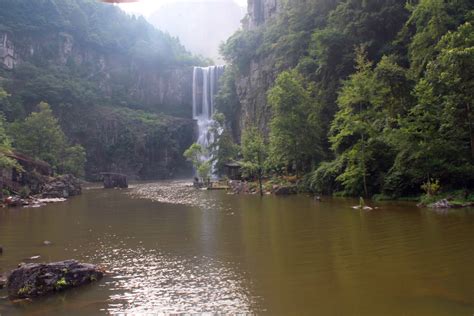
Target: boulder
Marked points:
285	190
444	203
62	187
238	186
114	180
1	249
38	279
13	201
3	281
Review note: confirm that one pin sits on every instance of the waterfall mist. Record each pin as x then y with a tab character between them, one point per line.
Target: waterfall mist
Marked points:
205	87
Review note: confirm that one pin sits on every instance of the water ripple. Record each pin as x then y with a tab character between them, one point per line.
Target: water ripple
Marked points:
145	281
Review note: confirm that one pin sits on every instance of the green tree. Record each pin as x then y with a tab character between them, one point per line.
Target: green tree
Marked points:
436	137
204	170
356	127
195	154
295	135
73	161
40	136
5	148
254	154
223	149
227	101
429	21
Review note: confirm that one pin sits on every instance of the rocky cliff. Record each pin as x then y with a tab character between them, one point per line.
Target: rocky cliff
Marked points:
118	86
151	87
252	86
260	12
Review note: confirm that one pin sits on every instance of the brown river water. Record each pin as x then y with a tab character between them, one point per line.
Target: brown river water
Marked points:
175	250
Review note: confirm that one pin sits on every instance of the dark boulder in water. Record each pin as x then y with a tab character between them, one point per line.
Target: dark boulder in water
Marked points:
39	279
62	187
285	190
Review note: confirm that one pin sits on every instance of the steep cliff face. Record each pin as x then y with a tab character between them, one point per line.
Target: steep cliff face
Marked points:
260	12
117	85
253	85
151	87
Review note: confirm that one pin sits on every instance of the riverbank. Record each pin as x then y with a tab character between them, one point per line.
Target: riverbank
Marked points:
49	190
292	185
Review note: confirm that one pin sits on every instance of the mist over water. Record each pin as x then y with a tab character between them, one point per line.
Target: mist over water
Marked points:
205	87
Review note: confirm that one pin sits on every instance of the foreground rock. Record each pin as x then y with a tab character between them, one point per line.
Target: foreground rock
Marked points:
62	187
39	279
3	281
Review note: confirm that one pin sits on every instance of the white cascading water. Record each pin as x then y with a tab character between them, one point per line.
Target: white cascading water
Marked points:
205	87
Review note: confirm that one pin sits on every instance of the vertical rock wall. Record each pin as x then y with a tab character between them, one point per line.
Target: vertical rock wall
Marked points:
253	86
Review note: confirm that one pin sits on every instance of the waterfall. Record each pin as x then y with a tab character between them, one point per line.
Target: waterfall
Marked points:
205	87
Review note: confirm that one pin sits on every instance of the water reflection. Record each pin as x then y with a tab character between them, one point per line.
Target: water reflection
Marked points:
145	281
176	250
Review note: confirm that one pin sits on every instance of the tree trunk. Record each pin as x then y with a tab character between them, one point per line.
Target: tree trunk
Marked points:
471	130
364	176
260	181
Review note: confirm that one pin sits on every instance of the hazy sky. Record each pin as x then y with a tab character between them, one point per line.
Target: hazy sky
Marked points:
146	7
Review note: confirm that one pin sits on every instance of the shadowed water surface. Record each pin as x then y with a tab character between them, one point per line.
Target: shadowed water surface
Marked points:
172	249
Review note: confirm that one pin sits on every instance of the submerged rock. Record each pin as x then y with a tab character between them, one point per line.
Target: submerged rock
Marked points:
38	279
1	249
445	203
285	190
365	207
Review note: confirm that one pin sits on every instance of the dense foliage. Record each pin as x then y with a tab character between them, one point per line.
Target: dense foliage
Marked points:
381	90
41	137
99	71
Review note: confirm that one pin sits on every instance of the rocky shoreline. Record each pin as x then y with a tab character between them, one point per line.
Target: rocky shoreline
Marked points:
53	190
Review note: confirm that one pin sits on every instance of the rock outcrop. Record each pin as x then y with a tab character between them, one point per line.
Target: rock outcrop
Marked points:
260	12
62	187
445	203
36	279
285	190
252	86
151	88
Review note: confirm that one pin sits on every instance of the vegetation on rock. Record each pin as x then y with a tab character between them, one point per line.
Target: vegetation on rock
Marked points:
364	97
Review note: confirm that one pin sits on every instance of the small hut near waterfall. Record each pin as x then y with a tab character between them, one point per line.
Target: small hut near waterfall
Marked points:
233	170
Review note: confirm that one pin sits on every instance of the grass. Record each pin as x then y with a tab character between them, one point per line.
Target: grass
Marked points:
457	197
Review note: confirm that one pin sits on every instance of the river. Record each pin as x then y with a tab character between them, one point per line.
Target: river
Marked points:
172	249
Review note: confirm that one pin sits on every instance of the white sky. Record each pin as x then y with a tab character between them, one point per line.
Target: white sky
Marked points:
147	7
